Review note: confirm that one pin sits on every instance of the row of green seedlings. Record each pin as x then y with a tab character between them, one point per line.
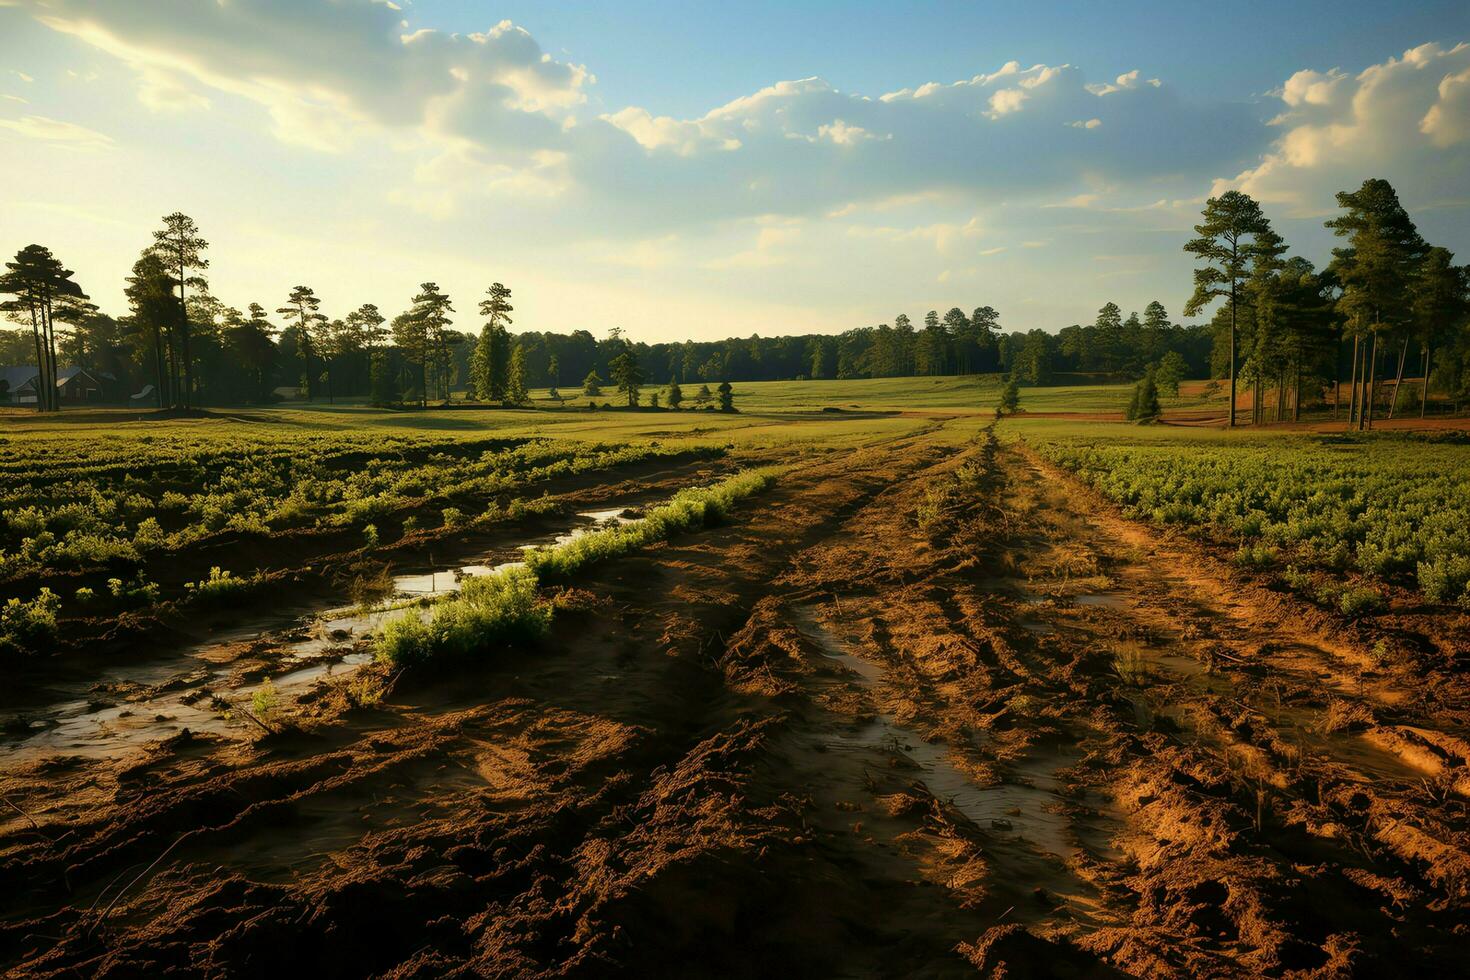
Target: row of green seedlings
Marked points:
504	608
29	626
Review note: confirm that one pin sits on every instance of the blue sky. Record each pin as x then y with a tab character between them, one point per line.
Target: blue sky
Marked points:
683	58
706	170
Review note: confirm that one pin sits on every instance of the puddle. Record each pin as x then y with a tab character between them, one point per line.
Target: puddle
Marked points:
441	581
1026	812
123	707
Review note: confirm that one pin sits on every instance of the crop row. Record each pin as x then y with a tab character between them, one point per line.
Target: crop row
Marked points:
502	608
109	515
1395	509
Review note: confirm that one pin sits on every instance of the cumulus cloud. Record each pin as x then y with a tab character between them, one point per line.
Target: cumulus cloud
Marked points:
495	110
325	69
806	147
1406	119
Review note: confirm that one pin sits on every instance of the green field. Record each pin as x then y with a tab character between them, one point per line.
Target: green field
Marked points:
94	495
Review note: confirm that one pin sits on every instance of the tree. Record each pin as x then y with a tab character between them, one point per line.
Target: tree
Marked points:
627	375
431	309
1145	404
368	324
490	366
727	397
150	295
515	385
383	381
304	306
1108	337
675	395
1438	302
44	293
1375	270
1010	399
592	385
249	345
553	371
181	248
1171	370
1265	291
1231	223
702	396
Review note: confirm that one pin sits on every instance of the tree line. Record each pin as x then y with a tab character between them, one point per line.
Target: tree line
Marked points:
1282	327
1295	335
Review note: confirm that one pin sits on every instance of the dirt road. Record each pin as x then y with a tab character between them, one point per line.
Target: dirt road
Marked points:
821	740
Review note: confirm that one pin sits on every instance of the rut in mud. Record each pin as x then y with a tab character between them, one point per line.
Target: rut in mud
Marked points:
829	738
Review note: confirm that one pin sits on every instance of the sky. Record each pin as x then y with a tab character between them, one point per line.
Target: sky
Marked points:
713	169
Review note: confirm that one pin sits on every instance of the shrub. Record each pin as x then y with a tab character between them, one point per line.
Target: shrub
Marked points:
149	535
265	701
220	586
1446	579
84	596
1255	556
489	611
26	627
139	591
1361	602
370	536
453	516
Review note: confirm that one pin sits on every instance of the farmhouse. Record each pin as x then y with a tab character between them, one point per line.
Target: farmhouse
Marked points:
75	385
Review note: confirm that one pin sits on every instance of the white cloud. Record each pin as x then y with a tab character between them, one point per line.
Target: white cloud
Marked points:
326	70
22	76
329	72
1406	119
1124	82
56	131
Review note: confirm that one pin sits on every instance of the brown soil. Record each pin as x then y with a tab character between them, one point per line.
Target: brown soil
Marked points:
813	742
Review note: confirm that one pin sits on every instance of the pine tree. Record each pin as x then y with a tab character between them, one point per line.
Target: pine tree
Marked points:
592	385
515	383
627	375
493	350
1375	270
1231	222
304	306
675	395
181	248
727	397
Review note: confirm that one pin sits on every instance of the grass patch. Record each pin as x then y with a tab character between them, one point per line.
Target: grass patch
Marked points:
488	611
693	508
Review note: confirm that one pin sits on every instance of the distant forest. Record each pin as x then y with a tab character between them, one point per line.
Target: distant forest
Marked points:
236	357
1388	302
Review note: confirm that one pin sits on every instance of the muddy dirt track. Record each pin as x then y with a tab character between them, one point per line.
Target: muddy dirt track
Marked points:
1031	740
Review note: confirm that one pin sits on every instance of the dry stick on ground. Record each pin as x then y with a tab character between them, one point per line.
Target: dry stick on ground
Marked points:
31	820
141	875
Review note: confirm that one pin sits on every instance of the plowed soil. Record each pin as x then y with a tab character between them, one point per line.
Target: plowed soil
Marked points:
1039	740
